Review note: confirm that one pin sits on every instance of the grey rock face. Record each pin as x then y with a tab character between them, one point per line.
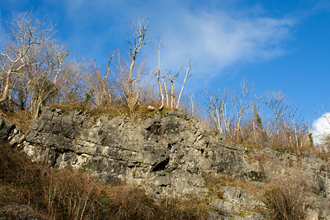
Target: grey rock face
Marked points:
167	154
5	129
57	131
236	200
305	168
10	132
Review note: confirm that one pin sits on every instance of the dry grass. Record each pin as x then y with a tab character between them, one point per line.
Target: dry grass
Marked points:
284	140
141	111
253	138
287	195
22	119
214	183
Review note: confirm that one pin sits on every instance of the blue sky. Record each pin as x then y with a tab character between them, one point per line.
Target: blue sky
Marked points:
278	45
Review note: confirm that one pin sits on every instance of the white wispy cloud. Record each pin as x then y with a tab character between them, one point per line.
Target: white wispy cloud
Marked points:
215	37
321	128
218	40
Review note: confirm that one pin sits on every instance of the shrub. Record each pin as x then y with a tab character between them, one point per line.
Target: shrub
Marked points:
286	199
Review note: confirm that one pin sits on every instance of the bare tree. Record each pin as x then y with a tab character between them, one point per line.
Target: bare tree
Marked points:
129	75
172	80
166	92
159	77
220	109
299	128
227	109
191	102
277	103
188	74
176	103
243	103
43	78
72	83
22	36
32	55
100	86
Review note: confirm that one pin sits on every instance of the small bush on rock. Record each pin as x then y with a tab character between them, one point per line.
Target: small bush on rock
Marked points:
287	197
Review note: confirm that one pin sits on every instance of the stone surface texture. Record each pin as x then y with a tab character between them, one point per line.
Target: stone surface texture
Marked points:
167	155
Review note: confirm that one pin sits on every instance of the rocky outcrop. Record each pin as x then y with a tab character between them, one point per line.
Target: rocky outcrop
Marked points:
235	200
10	132
305	169
167	155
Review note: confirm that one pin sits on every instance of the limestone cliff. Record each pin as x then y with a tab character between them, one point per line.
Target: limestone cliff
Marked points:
165	154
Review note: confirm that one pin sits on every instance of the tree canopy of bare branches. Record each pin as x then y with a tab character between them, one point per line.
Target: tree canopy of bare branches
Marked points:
33	57
130	75
228	107
99	84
